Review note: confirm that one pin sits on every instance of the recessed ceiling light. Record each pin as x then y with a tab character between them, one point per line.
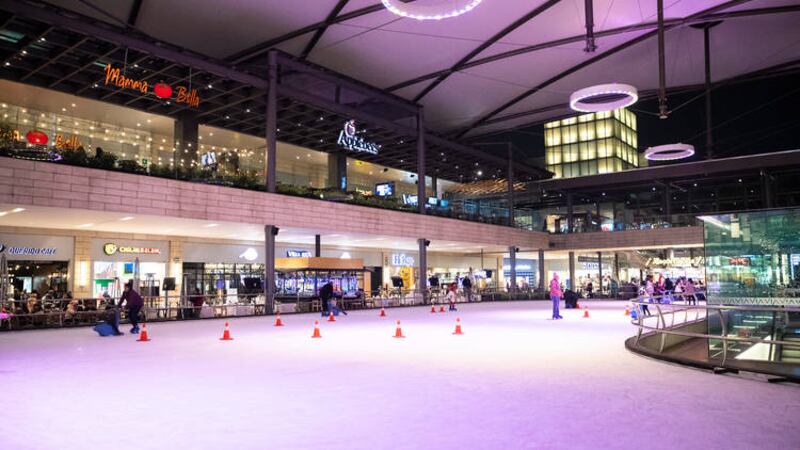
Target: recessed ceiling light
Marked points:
125	219
211	225
85	225
16	210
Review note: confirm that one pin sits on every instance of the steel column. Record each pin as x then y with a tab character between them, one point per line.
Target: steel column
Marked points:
542	279
510	185
569	212
272	123
590	43
317	246
662	77
709	122
421	198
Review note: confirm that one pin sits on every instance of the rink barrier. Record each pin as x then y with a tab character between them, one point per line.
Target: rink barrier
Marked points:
177	308
673	321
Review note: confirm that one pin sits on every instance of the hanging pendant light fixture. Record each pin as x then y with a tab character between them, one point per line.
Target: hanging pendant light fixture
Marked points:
430	9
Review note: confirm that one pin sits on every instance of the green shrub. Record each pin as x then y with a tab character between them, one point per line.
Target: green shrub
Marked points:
103	160
75	157
130	166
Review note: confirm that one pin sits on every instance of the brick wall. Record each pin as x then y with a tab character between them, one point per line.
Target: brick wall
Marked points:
54	185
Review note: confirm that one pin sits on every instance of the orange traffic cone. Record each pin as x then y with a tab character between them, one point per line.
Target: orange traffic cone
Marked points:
331	318
383	312
433	309
441	308
143	334
278	321
627	310
398	333
226	335
458	326
585	312
316	330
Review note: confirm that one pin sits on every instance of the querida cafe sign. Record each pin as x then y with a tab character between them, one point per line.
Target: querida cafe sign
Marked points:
115	77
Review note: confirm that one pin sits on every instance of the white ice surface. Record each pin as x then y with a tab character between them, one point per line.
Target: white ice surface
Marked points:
514	380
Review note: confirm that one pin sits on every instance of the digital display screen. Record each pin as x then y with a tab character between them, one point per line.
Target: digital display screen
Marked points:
433	201
127	269
209	159
384	189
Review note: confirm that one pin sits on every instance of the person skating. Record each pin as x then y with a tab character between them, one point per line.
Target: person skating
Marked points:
555	296
134	305
451	296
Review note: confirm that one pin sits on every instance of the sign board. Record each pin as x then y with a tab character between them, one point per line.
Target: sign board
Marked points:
298	254
37	248
401	260
349	139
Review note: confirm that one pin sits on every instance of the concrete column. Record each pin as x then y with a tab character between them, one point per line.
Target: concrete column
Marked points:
572	285
271	163
337	171
512	259
600	272
542	277
667	203
435	186
185	132
421	198
317	246
422	284
82	268
616	266
175	269
270	231
767	191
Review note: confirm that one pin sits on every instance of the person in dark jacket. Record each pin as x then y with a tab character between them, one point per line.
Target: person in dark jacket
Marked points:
325	295
135	304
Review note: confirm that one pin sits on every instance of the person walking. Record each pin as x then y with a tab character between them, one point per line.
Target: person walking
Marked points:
555	296
134	305
648	290
689	289
466	283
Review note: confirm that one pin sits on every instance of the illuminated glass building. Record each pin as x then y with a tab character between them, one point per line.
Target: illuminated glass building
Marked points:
591	144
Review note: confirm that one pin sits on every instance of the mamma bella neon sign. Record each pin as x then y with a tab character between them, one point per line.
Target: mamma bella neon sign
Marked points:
115	77
349	140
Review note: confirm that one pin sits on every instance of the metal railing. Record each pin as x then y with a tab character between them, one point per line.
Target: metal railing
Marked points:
665	321
55	313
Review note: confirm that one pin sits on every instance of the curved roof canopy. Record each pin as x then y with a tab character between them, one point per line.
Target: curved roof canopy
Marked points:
502	65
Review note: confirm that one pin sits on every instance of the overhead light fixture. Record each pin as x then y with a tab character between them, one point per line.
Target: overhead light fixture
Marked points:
127	218
16	210
85	225
430	9
669	152
603	97
211	225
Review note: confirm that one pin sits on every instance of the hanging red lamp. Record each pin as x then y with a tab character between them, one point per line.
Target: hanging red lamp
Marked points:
36	137
162	90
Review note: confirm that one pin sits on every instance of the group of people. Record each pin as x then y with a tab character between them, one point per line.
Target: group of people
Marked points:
664	290
132	301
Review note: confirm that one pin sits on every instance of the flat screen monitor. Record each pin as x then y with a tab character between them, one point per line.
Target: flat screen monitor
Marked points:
384	189
433	201
127	268
397	282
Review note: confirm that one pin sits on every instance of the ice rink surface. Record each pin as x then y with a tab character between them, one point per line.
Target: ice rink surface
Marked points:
514	380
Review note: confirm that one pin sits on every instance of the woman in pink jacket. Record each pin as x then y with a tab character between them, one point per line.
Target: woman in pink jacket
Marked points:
555	296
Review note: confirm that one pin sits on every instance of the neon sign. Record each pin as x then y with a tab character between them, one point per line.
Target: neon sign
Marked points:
349	140
115	77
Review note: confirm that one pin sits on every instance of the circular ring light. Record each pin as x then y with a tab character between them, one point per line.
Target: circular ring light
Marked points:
431	9
603	97
669	152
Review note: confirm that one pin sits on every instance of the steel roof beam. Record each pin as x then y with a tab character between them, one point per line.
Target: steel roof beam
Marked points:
320	31
605	33
589	62
488	43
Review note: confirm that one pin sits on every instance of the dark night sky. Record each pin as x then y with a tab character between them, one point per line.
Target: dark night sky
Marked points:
753	117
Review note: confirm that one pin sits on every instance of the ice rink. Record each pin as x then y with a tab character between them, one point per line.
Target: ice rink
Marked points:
515	379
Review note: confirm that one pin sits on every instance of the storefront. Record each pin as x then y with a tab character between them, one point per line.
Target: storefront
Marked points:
223	269
527	272
37	263
115	263
400	270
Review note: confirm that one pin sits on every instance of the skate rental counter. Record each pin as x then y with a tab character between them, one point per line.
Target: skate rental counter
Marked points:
298	281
